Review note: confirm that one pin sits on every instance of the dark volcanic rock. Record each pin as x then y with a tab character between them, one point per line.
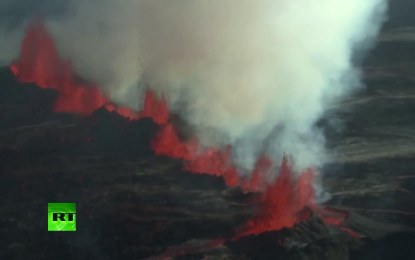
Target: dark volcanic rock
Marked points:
134	205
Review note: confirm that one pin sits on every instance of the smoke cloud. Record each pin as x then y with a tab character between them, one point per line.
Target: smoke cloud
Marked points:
253	74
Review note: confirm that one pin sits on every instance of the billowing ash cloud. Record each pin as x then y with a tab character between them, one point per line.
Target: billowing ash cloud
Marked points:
253	74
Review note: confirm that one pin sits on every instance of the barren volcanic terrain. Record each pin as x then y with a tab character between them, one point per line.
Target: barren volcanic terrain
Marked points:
134	204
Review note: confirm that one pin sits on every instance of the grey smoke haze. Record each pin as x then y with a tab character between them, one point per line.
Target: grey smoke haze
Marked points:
253	74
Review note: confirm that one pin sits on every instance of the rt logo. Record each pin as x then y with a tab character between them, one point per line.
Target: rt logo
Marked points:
61	216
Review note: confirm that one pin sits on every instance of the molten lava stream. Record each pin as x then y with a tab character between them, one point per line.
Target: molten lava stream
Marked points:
281	202
39	63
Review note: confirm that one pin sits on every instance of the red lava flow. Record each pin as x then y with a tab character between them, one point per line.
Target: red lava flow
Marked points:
281	202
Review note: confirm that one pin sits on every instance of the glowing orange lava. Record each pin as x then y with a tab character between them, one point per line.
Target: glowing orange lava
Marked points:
39	63
282	202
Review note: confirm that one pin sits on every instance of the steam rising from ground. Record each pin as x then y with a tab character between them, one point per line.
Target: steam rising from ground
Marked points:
253	74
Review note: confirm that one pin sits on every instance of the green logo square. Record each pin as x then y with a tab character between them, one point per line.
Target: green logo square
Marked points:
61	216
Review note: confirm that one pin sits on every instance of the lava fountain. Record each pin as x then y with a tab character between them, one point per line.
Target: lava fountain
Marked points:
282	201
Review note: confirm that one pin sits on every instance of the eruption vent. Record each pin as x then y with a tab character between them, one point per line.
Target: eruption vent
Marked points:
281	201
249	78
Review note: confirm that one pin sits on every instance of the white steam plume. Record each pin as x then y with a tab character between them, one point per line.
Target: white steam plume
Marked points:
253	74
